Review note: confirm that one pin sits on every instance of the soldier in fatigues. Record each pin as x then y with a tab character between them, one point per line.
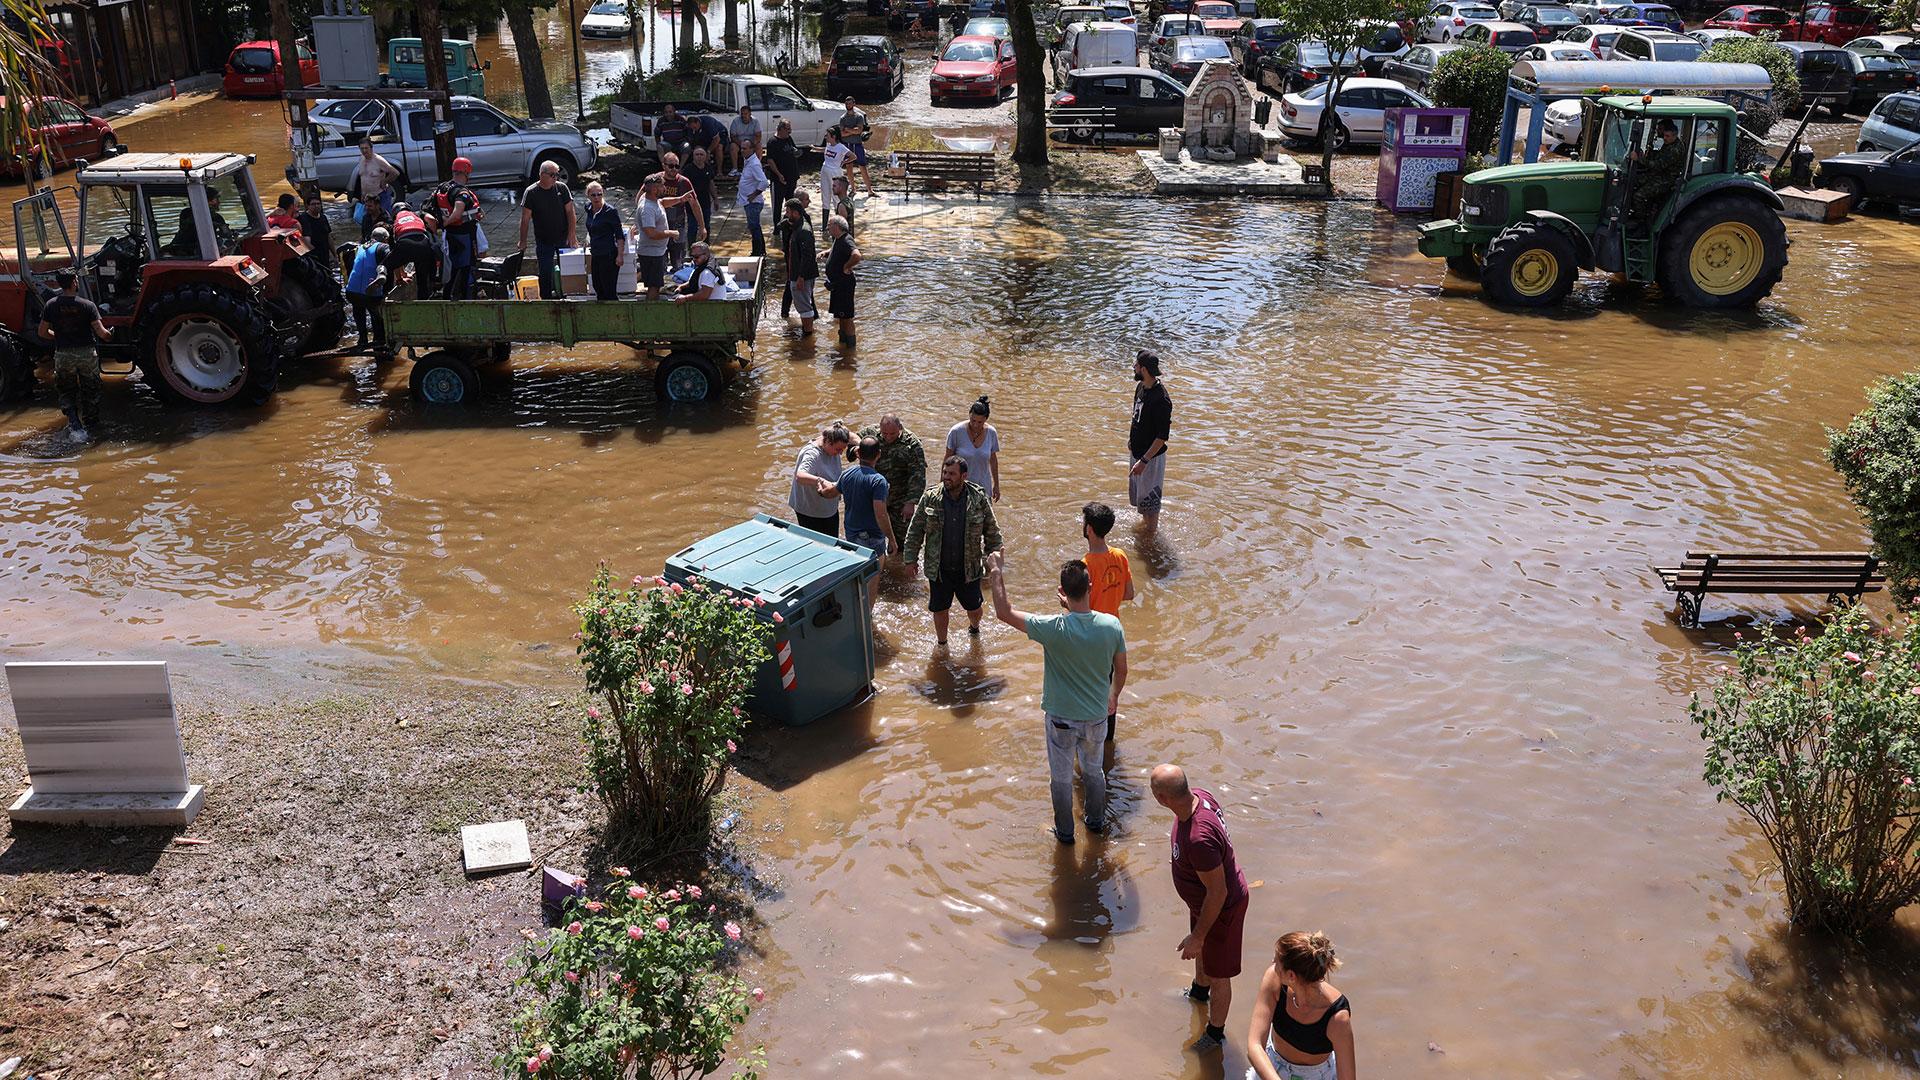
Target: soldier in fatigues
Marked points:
904	463
72	323
1660	172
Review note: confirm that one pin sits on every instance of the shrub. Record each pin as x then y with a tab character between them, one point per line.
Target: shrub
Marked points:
1818	740
1757	120
1474	78
628	989
673	665
1878	455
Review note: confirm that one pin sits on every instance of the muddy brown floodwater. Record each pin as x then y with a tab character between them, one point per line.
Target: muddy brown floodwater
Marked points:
1399	618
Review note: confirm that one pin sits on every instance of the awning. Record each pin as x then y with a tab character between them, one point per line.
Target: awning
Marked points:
1564	77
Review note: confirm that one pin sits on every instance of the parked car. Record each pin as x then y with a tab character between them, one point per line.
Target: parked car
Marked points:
1386	43
1751	18
1547	21
1877	73
1100	44
1510	9
1596	38
1414	68
1826	75
993	26
1707	38
1564	121
1256	38
772	100
1067	14
1220	17
345	118
866	66
1294	66
1173	26
466	72
1445	20
1181	57
977	67
253	70
65	131
1832	24
1901	45
607	19
1894	123
1361	109
903	16
1508	37
1886	176
1653	43
1646	15
505	150
1143	100
1553	51
1122	12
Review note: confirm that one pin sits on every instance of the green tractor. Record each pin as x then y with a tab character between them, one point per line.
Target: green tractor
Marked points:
1656	196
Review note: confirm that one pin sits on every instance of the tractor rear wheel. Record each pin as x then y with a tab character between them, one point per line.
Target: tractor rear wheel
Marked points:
1724	252
202	345
1529	265
16	371
313	286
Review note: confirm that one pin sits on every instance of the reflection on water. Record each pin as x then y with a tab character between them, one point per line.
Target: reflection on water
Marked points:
1398	618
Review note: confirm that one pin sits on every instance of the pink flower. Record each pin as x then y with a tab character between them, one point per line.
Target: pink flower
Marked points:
1868	675
759	995
573	928
659	580
1850	656
676	589
595	907
641	579
533	1064
736	710
693	891
636	892
710	909
646	687
621	871
731	748
1915	691
779	618
673	894
573	976
661	923
546	1054
593	712
686	688
733	930
758	602
634	932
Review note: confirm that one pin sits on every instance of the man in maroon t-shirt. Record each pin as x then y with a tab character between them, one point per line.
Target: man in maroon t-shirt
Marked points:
1207	878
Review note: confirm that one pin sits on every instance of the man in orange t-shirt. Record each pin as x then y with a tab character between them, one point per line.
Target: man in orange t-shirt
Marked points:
1112	577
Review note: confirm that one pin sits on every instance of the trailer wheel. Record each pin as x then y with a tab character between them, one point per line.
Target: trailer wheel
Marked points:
201	345
685	377
441	378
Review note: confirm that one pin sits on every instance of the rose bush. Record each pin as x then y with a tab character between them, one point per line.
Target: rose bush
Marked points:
627	989
1878	455
673	666
1817	738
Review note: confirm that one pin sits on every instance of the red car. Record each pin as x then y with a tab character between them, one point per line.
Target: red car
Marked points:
65	130
253	70
973	66
1752	18
1832	24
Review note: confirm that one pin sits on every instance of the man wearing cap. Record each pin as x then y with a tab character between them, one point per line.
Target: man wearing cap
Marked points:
1147	438
72	323
459	210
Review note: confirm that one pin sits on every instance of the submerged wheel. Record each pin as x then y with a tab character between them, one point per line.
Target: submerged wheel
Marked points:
1724	252
1529	265
16	371
202	345
307	283
686	377
1464	266
441	378
1849	185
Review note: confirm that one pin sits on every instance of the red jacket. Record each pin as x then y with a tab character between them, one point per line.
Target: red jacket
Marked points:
406	221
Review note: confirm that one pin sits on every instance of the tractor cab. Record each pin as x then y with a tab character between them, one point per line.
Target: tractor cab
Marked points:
1654	150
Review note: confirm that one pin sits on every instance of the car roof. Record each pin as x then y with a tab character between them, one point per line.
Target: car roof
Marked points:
1180	39
1808	46
1888	54
1502	26
1103	72
984	39
1655	33
263	45
1678	107
1104	26
864	39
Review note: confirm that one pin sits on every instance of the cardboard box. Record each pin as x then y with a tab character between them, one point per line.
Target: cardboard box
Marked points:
575	284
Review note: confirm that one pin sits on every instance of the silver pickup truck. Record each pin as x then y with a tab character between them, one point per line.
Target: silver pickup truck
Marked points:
505	151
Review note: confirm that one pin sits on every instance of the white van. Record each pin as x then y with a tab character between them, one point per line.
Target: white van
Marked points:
1096	44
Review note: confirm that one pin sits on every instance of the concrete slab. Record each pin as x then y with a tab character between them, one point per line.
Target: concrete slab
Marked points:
98	728
497	845
1283	179
122	808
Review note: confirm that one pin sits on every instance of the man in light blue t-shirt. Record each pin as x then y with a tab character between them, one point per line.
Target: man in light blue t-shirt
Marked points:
1086	665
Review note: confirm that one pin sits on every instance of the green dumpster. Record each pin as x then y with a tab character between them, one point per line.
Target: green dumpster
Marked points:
817	584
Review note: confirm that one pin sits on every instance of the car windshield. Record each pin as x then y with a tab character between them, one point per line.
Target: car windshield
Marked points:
1882	63
1852	16
1183	25
1570	54
1216	11
608	7
985	28
1312	54
1386	39
859	54
1513	37
969	50
1821	61
1555	17
1206	48
1659	14
1315	92
252	61
1478	13
1909	51
1274	33
1677	50
1767	17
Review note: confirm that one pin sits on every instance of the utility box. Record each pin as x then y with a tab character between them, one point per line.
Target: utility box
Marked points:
345	49
817	585
1419	145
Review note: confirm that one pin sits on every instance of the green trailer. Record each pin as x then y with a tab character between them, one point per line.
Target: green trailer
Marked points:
694	344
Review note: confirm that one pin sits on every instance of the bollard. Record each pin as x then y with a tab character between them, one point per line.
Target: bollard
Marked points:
173	90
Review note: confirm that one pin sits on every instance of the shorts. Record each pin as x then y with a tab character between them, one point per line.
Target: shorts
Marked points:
859	154
873	542
840	298
1220	953
940	595
1143	491
1326	1070
653	270
803	299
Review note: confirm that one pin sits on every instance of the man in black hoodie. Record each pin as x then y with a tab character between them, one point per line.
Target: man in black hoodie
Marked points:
802	265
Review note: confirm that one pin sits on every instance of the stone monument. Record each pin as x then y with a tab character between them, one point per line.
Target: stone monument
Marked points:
1217	122
102	745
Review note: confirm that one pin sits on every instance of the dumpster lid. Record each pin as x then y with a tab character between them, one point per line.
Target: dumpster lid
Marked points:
773	560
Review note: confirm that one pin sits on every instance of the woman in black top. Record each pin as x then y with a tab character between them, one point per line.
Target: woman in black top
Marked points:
1302	1025
841	259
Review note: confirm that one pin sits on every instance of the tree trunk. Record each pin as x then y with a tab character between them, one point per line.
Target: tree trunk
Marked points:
1030	127
433	53
1329	120
533	71
706	40
730	36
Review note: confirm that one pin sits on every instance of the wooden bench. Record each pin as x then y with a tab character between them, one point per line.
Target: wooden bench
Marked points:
974	167
1843	576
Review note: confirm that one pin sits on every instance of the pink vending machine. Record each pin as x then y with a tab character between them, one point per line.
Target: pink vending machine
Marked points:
1420	144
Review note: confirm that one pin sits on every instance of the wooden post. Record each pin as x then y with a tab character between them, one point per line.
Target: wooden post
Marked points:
291	81
433	55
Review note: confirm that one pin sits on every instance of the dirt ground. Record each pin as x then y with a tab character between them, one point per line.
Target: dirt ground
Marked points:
326	929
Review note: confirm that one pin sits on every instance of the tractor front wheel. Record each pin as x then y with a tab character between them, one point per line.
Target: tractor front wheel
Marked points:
201	345
1529	265
1466	267
1724	252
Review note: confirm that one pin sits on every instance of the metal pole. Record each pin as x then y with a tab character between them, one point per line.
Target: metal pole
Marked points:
579	94
295	104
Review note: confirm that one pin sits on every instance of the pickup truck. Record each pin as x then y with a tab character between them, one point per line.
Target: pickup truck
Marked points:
406	66
505	151
772	100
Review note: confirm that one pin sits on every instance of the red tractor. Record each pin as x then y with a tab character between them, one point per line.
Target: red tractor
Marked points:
201	296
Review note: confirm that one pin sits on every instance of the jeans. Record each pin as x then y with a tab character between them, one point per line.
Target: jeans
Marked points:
825	526
605	274
76	372
364	308
460	256
754	209
548	256
1068	742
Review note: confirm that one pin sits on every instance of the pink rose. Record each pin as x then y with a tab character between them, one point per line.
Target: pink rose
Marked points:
573	976
661	923
759	995
710	909
621	871
675	587
646	687
779	618
634	932
593	712
636	892
673	894
573	928
693	891
1850	656
533	1064
731	748
736	710
546	1054
595	907
733	930
686	689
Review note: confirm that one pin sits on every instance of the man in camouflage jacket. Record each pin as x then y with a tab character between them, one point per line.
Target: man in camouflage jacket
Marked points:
904	463
952	573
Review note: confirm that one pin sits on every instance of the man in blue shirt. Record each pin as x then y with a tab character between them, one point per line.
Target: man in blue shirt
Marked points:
864	491
1086	665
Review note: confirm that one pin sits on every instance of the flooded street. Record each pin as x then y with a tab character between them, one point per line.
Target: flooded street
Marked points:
1399	617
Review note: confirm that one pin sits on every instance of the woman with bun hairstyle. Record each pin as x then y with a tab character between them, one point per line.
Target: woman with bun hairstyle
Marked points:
1302	1027
978	443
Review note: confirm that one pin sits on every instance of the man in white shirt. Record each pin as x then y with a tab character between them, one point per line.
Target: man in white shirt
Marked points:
833	164
753	189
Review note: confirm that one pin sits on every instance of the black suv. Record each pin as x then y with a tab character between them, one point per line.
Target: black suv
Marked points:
868	67
1142	101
